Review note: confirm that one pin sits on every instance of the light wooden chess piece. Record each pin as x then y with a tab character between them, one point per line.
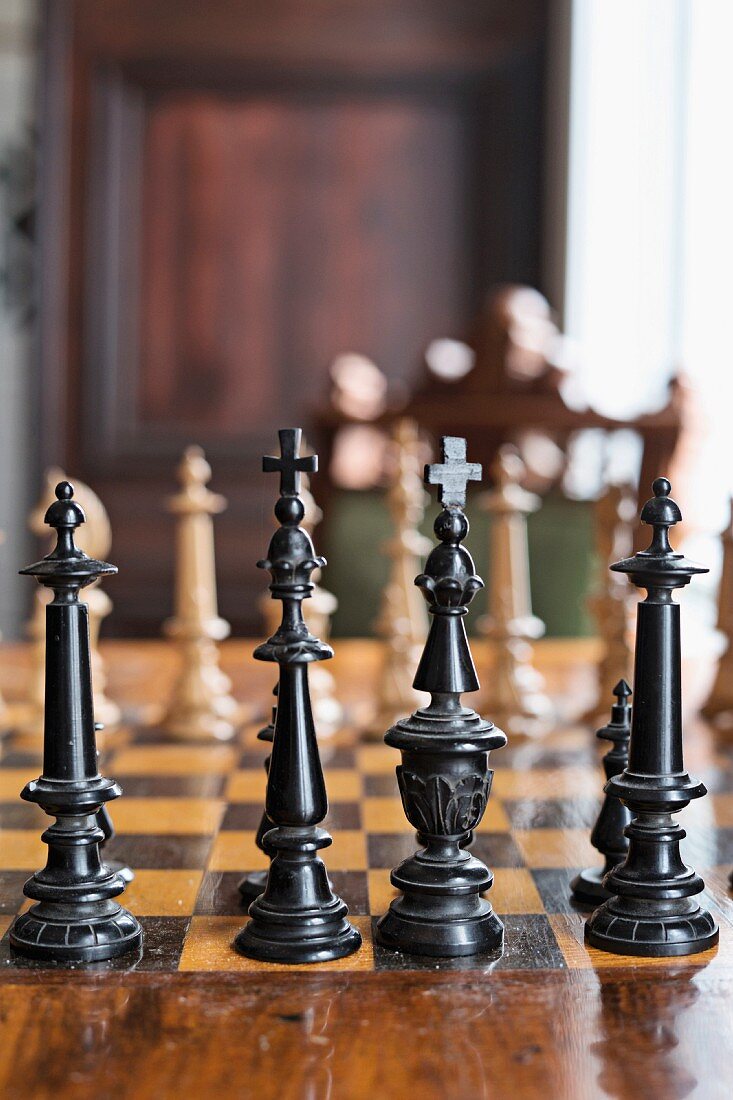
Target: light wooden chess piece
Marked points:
514	697
317	612
201	706
719	703
613	516
94	537
402	621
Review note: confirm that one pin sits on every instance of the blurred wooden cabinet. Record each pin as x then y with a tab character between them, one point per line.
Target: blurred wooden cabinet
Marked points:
235	192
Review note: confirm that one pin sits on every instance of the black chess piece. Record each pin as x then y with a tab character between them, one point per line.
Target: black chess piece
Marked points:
75	917
608	834
298	918
444	777
105	823
653	910
253	884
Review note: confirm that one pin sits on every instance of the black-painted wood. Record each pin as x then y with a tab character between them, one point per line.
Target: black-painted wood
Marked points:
298	918
653	909
253	884
75	917
444	777
608	834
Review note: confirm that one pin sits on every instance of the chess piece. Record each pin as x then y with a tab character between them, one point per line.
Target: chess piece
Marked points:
514	694
402	622
95	539
298	918
719	703
609	600
608	834
652	910
253	884
444	777
75	917
201	706
318	612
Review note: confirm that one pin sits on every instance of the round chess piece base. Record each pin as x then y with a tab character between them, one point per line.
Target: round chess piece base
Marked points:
43	933
251	886
298	918
312	936
440	911
681	927
588	888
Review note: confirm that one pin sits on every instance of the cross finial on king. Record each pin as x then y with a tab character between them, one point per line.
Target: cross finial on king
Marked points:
291	464
453	474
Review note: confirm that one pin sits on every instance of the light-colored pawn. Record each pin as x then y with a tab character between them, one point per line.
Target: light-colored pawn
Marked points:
317	612
94	537
719	704
514	694
610	601
402	622
201	706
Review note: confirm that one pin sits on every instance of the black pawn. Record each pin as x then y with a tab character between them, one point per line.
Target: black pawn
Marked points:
653	909
444	777
75	917
252	885
608	834
298	918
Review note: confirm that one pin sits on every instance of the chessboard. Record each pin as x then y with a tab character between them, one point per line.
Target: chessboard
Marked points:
186	826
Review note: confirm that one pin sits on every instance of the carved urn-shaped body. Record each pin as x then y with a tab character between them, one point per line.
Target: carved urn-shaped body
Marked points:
444	777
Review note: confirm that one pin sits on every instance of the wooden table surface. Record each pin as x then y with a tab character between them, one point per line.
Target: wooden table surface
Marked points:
604	1027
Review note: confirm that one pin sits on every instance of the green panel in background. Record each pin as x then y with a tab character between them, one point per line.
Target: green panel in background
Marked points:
560	552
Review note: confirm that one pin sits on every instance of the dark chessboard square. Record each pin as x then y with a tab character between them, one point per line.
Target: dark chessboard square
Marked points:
381	786
11	890
219	896
337	756
389	849
163	939
553	886
255	757
246	815
21	815
530	944
173	786
161	950
165	852
496	850
552	813
18	759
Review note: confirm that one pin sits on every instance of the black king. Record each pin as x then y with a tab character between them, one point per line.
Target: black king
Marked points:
653	909
76	917
444	778
298	918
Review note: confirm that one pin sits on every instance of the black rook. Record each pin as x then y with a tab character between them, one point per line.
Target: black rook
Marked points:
75	917
653	910
444	778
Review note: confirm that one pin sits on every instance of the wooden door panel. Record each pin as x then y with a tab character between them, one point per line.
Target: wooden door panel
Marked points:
235	194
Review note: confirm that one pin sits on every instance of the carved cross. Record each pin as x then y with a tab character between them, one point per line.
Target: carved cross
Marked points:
291	464
454	473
